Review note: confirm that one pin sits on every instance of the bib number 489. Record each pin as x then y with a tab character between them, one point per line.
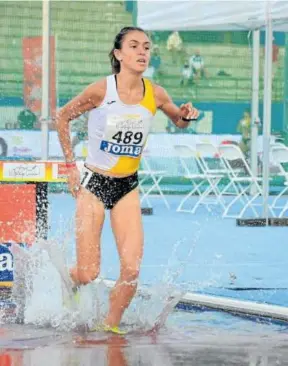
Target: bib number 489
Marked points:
128	137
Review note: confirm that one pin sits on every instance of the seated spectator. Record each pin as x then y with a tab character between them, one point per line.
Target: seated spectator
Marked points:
186	75
196	63
244	127
26	119
175	46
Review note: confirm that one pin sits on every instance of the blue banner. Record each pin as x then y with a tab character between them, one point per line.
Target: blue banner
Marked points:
6	265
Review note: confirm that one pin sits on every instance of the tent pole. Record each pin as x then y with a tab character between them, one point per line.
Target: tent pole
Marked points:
45	77
255	104
267	112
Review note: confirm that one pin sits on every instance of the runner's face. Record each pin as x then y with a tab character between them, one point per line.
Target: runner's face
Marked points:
135	51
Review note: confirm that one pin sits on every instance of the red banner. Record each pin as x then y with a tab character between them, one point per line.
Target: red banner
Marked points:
18	220
32	57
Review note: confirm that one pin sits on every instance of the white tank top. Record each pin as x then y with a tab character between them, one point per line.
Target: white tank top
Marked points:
117	132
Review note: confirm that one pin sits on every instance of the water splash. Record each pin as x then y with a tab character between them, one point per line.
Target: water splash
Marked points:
151	308
38	289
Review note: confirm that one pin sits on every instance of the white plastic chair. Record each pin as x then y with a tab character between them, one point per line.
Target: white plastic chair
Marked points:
279	156
240	176
194	172
214	170
148	172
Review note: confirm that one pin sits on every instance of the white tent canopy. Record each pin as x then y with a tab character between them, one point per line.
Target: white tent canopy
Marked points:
211	14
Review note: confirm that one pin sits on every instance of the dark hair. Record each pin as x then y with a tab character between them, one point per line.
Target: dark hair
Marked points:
116	66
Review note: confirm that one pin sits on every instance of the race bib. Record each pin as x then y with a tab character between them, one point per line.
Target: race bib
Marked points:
124	135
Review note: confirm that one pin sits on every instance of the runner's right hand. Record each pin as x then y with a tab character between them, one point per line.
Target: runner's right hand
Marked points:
74	181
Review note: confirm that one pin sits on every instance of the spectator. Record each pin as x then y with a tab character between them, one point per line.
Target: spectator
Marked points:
3	148
175	46
197	66
275	57
26	119
154	36
155	64
244	127
186	74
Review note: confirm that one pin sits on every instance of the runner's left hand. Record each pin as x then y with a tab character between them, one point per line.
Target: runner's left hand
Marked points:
188	111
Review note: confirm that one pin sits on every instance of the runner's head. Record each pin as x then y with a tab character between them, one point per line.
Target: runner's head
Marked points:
131	50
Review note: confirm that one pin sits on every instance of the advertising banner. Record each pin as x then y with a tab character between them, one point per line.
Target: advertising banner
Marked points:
32	58
19	143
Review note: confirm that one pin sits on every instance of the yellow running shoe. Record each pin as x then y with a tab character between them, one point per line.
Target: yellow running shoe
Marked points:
106	328
76	295
69	301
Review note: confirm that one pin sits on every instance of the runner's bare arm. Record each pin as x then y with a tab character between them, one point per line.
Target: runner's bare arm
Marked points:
90	98
176	114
